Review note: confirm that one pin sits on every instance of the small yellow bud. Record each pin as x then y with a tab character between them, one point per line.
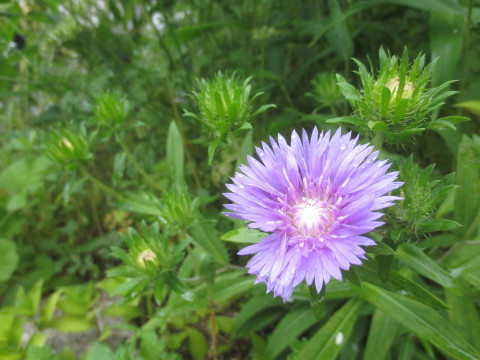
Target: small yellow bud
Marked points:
407	92
67	143
146	255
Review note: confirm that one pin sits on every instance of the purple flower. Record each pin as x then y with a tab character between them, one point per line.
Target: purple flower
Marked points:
315	197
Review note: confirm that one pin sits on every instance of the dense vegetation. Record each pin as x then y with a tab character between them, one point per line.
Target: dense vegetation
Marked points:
122	121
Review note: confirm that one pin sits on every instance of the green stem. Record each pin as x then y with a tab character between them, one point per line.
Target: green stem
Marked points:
378	140
136	165
466	45
100	184
160	38
179	49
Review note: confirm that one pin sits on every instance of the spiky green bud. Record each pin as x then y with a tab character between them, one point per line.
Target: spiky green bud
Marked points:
68	146
225	104
398	101
110	110
326	91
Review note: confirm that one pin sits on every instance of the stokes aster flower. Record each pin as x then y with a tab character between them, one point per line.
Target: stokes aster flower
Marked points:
315	197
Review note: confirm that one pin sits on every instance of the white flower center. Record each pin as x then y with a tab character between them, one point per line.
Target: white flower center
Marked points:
312	217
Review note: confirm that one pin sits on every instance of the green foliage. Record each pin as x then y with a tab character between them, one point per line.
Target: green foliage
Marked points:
113	244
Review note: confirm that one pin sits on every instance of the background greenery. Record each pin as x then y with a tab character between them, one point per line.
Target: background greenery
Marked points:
94	141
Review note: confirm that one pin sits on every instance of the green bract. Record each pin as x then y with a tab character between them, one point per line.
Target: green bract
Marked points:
398	102
225	104
69	146
422	196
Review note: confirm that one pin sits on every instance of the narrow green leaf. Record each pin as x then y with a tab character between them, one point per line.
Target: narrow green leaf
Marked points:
344	119
446	41
212	148
250	311
420	319
352	276
380	249
292	325
35	295
438	225
417	260
175	154
177	286
383	331
467	196
243	235
204	235
471	106
8	259
464	316
49	307
317	301
329	340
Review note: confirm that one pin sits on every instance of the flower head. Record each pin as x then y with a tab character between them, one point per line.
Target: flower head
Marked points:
316	197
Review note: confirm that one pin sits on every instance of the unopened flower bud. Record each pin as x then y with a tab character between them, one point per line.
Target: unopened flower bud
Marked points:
393	84
146	255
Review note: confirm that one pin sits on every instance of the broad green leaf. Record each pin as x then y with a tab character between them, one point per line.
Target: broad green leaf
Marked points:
420	319
417	260
330	339
198	344
383	330
40	353
72	323
292	325
100	351
244	235
175	154
8	259
67	354
203	234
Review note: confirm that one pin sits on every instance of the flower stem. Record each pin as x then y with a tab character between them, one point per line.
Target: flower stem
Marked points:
136	165
100	184
378	140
